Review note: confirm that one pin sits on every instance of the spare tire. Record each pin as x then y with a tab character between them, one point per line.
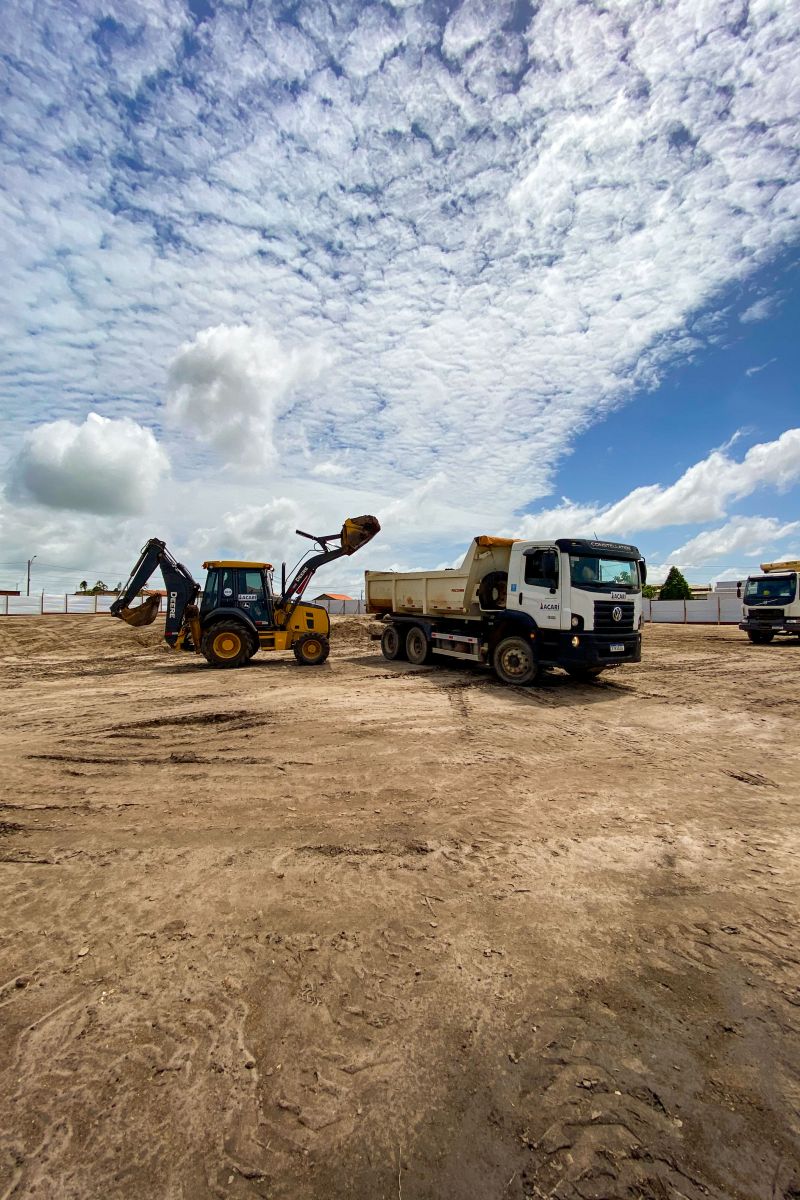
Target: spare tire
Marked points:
492	590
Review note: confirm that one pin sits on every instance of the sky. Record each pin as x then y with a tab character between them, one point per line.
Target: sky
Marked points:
487	266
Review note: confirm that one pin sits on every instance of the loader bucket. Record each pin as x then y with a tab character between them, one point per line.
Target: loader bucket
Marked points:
143	614
357	531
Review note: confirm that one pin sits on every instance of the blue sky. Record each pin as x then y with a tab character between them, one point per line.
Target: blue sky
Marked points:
475	267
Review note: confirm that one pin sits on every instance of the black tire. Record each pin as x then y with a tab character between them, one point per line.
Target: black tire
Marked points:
493	589
393	644
579	671
418	646
515	662
761	637
311	649
227	644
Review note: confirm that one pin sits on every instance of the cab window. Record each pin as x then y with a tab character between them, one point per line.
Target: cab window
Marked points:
252	583
228	588
534	570
211	590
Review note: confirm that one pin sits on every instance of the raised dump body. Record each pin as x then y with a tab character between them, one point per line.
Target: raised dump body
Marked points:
451	591
519	606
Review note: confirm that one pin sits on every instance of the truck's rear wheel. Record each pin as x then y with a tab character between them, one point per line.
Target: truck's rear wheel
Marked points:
579	671
418	647
226	644
392	644
515	662
761	637
311	649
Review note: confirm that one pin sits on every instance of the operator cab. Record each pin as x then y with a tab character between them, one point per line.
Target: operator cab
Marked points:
246	586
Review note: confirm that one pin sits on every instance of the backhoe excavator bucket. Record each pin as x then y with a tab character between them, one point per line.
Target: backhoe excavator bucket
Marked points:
357	531
143	614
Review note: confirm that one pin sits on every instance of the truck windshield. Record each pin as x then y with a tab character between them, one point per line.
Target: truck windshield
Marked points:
777	589
604	574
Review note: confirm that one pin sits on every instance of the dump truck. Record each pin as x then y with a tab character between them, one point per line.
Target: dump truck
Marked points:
237	612
518	606
770	602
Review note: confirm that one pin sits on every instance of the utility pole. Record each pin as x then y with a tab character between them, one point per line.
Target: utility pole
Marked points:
30	560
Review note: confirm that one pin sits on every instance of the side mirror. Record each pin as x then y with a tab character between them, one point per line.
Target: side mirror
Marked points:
738	591
643	569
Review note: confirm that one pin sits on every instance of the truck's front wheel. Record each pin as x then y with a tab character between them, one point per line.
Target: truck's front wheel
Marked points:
392	644
515	662
760	636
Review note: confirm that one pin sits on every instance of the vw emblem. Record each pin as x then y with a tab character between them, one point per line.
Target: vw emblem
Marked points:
616	613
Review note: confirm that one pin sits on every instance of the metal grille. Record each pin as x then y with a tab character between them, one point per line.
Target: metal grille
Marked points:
766	614
604	616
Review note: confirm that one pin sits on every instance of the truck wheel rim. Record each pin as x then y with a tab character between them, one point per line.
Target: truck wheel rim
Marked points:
514	663
227	645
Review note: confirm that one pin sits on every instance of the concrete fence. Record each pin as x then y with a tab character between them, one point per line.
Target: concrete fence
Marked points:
44	604
717	609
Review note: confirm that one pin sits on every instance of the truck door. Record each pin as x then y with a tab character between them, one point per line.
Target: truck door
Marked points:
538	584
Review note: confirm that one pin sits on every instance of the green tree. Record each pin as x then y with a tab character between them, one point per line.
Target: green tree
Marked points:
83	585
98	587
675	587
650	591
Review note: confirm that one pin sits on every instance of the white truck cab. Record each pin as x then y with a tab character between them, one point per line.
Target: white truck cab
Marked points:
520	605
770	602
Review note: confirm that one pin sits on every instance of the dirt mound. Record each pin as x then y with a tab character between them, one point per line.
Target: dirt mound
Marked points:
353	632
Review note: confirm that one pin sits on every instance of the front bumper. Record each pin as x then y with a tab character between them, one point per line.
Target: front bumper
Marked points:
788	625
594	649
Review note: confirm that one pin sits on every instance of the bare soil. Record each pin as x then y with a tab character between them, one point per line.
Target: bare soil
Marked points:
376	931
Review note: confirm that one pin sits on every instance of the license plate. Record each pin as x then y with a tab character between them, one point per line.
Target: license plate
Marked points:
617	648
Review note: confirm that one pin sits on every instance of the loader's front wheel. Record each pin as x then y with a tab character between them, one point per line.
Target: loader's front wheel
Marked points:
226	644
515	662
311	649
392	643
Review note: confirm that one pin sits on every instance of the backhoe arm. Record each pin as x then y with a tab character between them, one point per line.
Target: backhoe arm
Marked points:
355	533
182	591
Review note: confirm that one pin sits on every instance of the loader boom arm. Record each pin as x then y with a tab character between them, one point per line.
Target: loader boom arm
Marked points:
182	589
354	534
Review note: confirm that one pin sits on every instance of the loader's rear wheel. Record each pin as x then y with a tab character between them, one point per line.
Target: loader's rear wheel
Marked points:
418	647
226	644
515	662
311	649
392	643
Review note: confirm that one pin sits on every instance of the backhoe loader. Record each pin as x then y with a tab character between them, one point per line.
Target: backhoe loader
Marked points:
238	612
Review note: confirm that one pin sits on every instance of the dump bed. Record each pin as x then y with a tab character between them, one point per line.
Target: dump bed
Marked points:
448	592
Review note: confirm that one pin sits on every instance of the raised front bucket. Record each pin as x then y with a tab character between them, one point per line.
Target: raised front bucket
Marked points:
143	614
357	531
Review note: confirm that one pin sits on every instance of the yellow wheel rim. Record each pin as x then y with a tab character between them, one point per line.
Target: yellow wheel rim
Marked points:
227	645
311	648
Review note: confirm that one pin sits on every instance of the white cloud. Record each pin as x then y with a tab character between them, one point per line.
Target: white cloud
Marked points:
254	531
748	536
758	311
755	370
228	385
485	244
702	494
102	466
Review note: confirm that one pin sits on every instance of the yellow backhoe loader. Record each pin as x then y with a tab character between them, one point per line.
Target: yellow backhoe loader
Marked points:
238	613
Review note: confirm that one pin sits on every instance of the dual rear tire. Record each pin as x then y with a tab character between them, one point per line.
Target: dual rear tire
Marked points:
412	644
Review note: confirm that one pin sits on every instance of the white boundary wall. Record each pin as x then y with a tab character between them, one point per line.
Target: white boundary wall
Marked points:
717	609
43	604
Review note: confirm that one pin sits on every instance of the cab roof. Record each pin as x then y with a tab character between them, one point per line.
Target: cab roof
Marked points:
235	562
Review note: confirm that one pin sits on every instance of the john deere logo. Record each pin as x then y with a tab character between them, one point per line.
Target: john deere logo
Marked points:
616	613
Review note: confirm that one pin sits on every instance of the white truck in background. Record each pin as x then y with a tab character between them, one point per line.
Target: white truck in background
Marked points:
770	602
518	606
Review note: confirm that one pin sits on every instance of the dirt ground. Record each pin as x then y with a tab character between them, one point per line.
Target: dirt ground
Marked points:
376	931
